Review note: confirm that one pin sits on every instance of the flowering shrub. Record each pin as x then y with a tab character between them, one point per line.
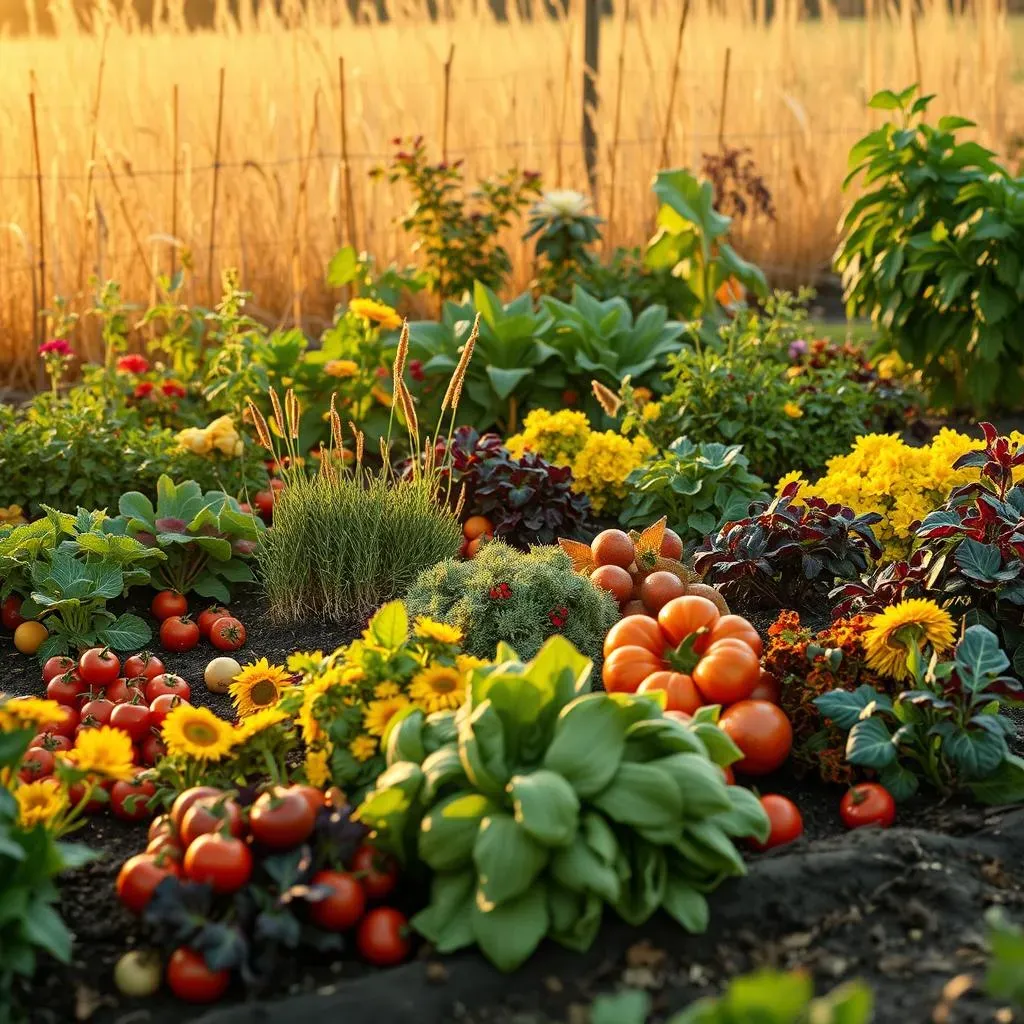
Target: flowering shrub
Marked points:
344	702
505	596
563	225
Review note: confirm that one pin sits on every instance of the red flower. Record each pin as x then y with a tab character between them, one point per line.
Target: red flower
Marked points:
143	389
502	592
570	398
383	373
558	617
133	364
172	389
58	345
416	369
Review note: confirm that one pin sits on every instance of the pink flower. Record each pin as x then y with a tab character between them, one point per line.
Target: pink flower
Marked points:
133	364
58	347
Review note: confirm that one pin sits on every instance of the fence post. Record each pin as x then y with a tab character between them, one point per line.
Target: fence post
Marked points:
591	55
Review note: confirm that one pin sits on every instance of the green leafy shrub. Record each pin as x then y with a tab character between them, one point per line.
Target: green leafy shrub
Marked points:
698	487
206	538
563	228
544	803
931	251
505	596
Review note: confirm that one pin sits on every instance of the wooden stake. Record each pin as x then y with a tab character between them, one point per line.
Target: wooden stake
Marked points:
346	167
725	97
616	125
216	179
300	218
37	325
591	62
674	84
566	73
90	171
917	51
447	100
174	178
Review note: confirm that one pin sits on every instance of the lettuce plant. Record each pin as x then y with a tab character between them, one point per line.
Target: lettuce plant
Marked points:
539	803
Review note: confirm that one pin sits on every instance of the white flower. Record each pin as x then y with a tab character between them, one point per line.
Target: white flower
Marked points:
563	202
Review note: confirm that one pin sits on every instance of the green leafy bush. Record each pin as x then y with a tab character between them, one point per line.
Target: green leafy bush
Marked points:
505	596
543	802
563	227
931	251
698	487
206	538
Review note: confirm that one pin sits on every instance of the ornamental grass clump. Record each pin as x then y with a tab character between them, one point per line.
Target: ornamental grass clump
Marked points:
347	538
542	803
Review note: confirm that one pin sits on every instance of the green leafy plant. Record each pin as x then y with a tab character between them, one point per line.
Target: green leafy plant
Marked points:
698	487
545	802
563	228
206	538
946	729
931	251
1004	978
348	268
505	596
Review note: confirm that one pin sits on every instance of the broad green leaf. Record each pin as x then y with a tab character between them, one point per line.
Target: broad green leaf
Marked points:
688	906
449	832
508	933
44	927
390	626
588	743
507	858
641	795
870	744
447	921
546	806
126	633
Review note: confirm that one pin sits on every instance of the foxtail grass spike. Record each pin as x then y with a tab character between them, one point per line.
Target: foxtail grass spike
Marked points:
451	396
403	350
278	414
291	408
607	399
262	430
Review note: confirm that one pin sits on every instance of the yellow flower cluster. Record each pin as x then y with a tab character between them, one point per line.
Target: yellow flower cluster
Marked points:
600	462
220	436
882	474
13	515
375	312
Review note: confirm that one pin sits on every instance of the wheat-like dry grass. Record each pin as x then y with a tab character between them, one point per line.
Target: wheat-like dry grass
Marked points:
796	95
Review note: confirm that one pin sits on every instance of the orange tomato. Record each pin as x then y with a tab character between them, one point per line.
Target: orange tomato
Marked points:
682	694
683	616
627	667
738	627
615	580
671	545
475	526
476	543
762	731
613	547
768	688
727	672
635	631
659	588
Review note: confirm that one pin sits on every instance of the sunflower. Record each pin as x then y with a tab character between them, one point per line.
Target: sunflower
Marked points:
893	633
39	803
386	689
439	632
380	712
317	772
257	722
438	688
258	686
363	747
197	732
311	694
25	712
104	751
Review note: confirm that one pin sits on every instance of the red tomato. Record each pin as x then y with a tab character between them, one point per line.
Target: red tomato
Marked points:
786	821
313	796
161	707
97	796
264	502
69	725
152	749
161	825
166	848
727	672
730	779
377	872
190	979
209	616
222	861
133	719
37	763
120	691
383	937
227	634
144	664
57	666
168	604
768	688
138	878
186	799
167	683
98	666
66	689
97	711
343	907
681	694
762	731
211	815
867	804
51	741
281	819
277	484
130	800
10	612
179	634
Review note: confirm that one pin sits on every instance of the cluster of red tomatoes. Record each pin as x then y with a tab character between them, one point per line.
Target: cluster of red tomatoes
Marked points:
96	690
210	839
476	531
180	633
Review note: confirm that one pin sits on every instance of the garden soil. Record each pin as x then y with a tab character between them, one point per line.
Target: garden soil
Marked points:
901	909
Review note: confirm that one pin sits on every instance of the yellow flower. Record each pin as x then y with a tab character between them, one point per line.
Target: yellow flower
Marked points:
910	623
794	476
29	712
258	686
304	661
341	368
13	515
104	751
792	410
642	395
363	747
651	412
317	772
379	712
375	312
438	688
194	440
556	436
197	732
384	690
467	662
601	468
794	371
440	632
39	803
382	396
257	722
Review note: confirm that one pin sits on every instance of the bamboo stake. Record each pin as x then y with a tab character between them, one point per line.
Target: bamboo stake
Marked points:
216	179
616	125
346	167
917	51
174	178
725	97
38	328
567	71
92	157
674	83
447	100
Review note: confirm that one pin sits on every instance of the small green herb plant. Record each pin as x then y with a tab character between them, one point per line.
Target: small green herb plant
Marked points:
543	803
946	730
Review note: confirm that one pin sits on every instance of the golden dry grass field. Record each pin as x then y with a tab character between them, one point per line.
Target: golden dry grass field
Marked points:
113	205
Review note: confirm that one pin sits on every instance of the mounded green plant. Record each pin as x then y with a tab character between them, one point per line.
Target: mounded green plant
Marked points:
505	596
541	803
